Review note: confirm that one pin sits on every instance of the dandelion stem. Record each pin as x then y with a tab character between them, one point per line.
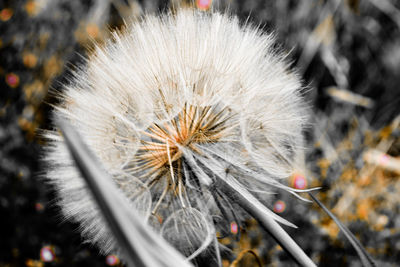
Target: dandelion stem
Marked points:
268	224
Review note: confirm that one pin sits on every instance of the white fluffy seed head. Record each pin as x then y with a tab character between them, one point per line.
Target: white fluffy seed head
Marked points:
169	107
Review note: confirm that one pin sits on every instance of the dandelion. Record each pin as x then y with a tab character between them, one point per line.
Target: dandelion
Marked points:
177	108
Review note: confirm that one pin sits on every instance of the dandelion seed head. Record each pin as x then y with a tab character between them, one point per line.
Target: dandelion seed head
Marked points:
169	107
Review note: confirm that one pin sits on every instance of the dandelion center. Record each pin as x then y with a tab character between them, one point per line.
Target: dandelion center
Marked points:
163	144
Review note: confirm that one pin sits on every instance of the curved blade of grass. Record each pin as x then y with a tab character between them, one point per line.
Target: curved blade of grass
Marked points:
254	207
366	259
139	244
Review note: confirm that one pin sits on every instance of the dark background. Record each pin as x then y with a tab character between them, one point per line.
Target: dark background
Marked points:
345	45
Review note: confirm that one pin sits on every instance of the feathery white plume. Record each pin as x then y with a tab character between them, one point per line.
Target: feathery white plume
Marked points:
171	106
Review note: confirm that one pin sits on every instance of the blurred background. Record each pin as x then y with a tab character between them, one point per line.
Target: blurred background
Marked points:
348	54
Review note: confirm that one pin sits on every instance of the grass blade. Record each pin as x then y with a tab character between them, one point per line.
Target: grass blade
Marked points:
139	244
249	203
366	259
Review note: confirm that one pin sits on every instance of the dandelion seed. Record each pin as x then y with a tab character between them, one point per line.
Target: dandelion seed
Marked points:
172	106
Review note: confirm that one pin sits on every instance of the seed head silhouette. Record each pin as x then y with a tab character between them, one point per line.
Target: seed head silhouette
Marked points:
171	106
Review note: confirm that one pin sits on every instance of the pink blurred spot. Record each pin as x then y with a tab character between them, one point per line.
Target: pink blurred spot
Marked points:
47	254
39	206
6	14
12	80
299	182
279	206
384	159
203	4
234	228
112	260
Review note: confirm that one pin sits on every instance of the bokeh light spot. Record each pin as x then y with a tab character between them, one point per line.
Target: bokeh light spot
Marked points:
34	263
39	206
203	4
12	80
299	182
92	30
6	14
47	254
31	8
112	260
383	159
279	206
30	60
234	228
